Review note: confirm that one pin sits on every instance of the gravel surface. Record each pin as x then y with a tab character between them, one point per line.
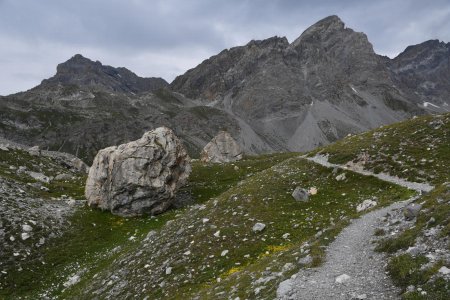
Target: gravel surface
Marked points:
353	270
352	254
323	160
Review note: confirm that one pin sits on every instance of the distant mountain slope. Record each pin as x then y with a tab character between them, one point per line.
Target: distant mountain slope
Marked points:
271	95
87	106
298	96
80	71
423	73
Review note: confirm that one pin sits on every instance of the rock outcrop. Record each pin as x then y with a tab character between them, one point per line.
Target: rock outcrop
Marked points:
140	177
222	148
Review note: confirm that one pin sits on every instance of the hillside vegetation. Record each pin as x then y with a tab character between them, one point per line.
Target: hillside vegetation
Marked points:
209	250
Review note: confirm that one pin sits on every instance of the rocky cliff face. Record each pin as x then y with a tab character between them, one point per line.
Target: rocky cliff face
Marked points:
270	95
422	72
324	85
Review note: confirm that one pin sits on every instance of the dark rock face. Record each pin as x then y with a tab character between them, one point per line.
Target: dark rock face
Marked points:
270	95
324	85
81	71
140	177
422	72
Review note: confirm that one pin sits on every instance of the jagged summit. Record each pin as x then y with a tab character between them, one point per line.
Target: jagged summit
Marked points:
422	72
85	73
321	30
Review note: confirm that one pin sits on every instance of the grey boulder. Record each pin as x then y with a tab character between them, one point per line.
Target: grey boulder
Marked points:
411	211
222	148
140	177
300	194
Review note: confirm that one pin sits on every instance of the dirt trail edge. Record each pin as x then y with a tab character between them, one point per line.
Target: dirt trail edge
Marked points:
352	270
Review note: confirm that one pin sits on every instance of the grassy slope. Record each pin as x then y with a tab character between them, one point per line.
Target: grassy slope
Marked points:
234	200
418	150
261	197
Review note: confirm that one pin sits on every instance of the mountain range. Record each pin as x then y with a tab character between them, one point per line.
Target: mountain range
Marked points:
271	95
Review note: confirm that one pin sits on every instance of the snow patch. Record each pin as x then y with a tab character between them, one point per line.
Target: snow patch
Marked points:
426	104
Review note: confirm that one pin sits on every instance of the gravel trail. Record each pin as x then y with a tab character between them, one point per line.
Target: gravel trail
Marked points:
352	253
352	270
323	160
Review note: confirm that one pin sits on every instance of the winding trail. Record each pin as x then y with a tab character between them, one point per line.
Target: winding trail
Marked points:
351	253
419	187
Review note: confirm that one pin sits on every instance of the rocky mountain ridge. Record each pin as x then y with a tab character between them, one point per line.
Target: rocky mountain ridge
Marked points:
271	95
79	71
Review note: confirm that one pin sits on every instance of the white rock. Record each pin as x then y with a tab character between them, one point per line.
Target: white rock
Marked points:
217	233
258	227
286	235
366	204
187	253
313	191
39	176
341	177
224	252
444	270
25	236
12	238
140	177
342	278
72	280
168	270
284	288
205	220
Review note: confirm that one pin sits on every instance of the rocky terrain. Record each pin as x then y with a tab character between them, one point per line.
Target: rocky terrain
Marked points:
39	190
245	232
87	106
236	226
270	95
421	72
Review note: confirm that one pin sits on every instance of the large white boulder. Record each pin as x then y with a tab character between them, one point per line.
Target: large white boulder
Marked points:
222	148
140	177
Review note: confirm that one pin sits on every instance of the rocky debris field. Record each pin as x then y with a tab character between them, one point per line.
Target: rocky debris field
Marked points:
417	239
38	192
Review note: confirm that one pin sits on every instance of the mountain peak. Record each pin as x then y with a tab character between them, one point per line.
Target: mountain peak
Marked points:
82	71
322	28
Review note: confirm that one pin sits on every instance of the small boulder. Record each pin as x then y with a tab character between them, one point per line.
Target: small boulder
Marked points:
444	270
300	194
342	278
140	177
38	176
366	204
222	148
411	211
258	227
341	177
312	191
63	176
35	150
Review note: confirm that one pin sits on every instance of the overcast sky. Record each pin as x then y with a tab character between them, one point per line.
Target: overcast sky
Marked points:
164	38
